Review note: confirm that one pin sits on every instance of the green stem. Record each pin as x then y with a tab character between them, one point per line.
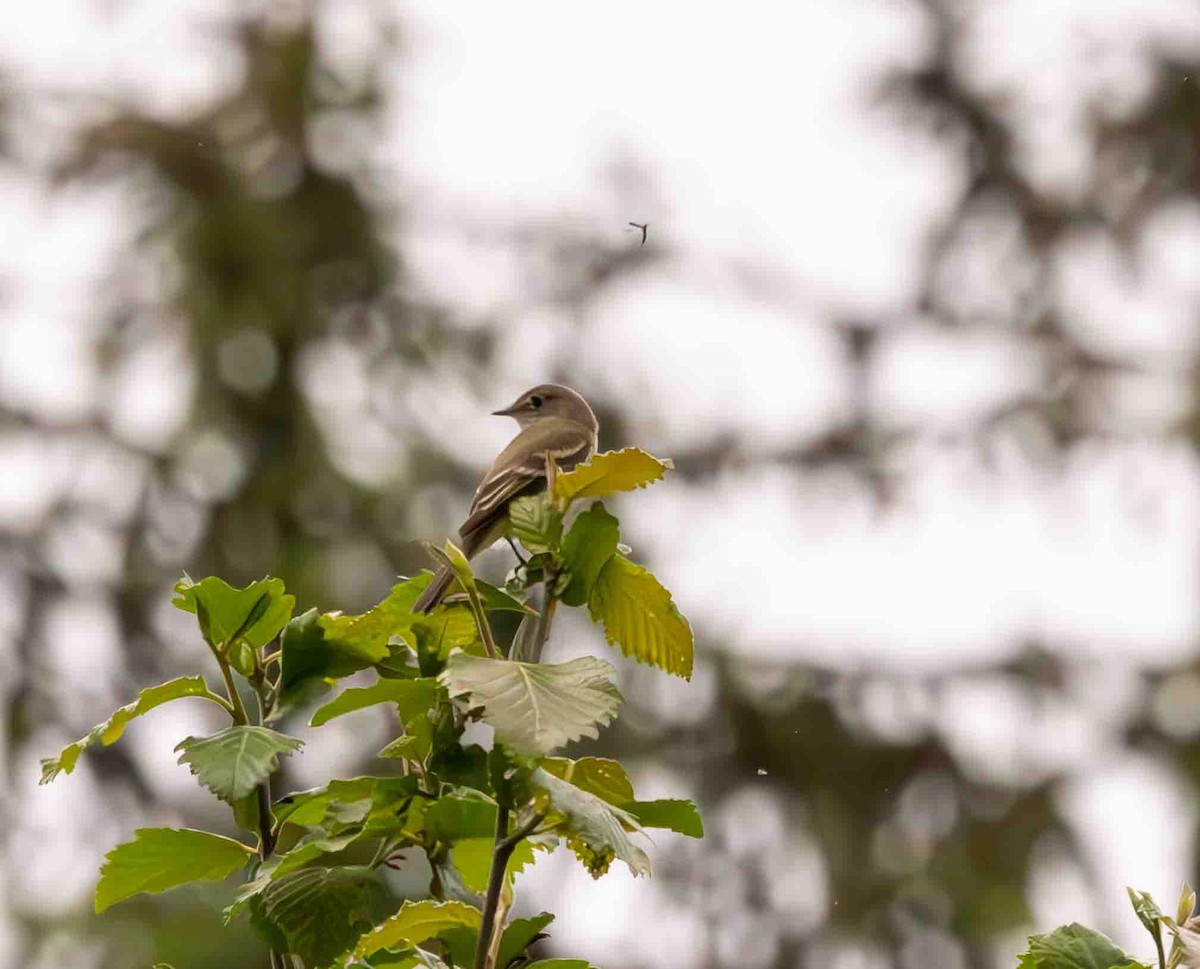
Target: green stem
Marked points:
219	701
237	708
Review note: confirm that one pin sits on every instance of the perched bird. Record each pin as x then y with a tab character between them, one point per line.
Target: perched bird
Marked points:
554	420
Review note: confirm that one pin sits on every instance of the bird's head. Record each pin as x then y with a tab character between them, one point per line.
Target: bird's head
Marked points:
550	400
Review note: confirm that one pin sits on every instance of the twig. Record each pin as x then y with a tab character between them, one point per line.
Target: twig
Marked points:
549	604
506	844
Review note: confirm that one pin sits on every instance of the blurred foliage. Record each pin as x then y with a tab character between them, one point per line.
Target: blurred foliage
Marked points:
271	252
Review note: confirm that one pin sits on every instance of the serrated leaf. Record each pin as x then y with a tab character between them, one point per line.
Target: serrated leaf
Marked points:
412	698
254	615
602	776
321	912
640	617
680	816
609	472
536	708
519	935
535	523
161	858
306	808
590	543
1073	946
595	830
416	922
110	731
235	761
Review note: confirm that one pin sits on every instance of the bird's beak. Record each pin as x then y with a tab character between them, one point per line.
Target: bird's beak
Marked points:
508	411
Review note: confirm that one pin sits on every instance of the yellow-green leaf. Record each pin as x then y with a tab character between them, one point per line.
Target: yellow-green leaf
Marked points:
161	858
609	472
472	858
411	697
110	731
640	617
595	831
416	922
254	615
602	776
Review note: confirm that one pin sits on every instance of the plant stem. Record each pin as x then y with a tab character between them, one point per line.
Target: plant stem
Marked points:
495	884
219	701
505	845
237	708
549	604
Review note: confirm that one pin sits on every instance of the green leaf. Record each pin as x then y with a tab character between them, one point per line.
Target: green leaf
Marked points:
453	818
306	851
413	698
416	922
1073	946
640	617
306	808
680	816
590	543
535	523
608	781
601	776
611	471
472	858
594	830
410	747
368	634
536	708
445	629
254	615
235	761
161	858
110	731
519	935
498	600
309	662
321	912
452	556
1149	915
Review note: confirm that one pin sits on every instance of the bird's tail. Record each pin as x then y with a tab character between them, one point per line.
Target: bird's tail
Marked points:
435	591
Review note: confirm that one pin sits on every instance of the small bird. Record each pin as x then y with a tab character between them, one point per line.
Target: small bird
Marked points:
554	420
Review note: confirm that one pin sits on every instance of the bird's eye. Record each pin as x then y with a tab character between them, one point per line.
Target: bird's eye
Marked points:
535	401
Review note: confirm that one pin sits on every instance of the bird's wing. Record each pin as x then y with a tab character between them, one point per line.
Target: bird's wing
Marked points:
523	462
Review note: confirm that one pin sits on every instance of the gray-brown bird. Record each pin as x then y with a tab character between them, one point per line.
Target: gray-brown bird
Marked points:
554	420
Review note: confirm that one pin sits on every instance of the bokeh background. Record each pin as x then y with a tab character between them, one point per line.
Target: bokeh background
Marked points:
917	319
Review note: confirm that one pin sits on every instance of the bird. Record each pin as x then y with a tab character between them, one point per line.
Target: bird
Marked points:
553	420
